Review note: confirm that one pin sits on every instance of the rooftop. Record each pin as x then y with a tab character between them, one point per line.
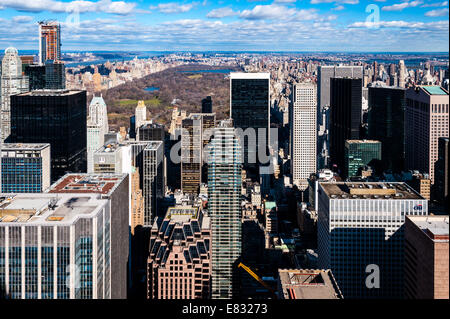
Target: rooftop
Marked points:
87	183
435	226
362	141
434	90
24	146
368	190
308	284
250	76
44	208
62	92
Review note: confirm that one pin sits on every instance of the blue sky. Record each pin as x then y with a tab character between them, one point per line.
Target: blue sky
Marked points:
231	25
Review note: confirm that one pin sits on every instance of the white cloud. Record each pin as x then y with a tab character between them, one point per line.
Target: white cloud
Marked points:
335	1
438	25
403	5
437	13
81	6
436	4
338	8
273	11
285	1
22	19
173	7
221	13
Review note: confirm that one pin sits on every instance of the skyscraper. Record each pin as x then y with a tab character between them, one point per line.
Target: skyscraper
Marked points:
426	119
324	75
97	127
55	117
55	75
194	137
250	109
303	133
49	41
179	262
224	205
12	82
387	124
73	244
25	168
207	105
360	235
112	227
426	257
113	158
359	153
345	119
441	172
402	73
153	180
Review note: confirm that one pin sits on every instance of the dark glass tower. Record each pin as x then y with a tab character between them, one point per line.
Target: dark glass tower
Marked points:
55	117
249	108
345	119
207	105
386	124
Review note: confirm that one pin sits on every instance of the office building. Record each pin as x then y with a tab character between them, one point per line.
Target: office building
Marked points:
25	168
224	206
12	82
307	284
207	105
360	235
426	120
387	124
115	189
358	154
179	263
69	245
113	158
49	41
324	75
345	118
250	109
153	180
441	172
137	200
55	75
151	132
196	130
97	127
36	76
60	120
140	114
303	133
426	257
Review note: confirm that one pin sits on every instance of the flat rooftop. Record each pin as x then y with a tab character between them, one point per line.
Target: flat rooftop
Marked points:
109	148
308	284
153	144
434	226
87	183
44	208
362	141
250	76
50	93
24	146
369	190
434	90
182	213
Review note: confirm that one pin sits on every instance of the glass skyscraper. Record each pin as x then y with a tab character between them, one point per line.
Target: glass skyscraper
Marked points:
25	168
359	153
224	194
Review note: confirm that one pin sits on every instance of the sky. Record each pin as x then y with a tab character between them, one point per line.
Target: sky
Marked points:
231	25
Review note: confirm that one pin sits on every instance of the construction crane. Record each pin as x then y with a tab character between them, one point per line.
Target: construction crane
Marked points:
258	278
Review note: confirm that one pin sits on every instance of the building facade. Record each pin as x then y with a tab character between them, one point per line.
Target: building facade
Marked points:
426	257
359	153
179	262
250	109
12	82
59	119
153	180
426	119
97	127
25	168
303	130
49	41
386	121
224	206
360	235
